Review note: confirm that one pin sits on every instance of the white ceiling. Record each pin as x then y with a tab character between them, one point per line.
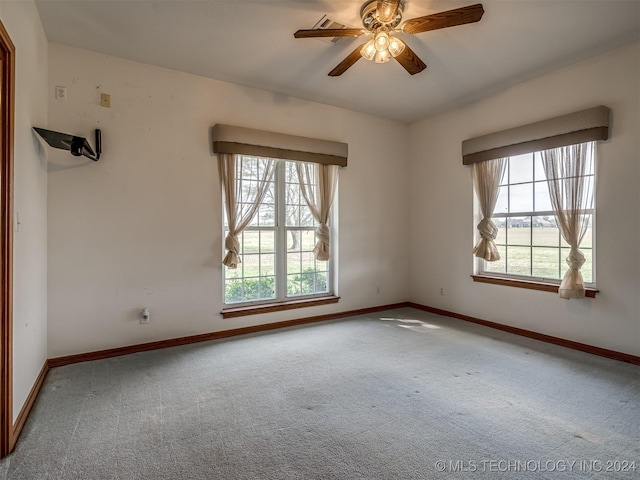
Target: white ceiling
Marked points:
250	42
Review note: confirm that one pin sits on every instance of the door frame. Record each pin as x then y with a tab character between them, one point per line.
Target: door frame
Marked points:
7	105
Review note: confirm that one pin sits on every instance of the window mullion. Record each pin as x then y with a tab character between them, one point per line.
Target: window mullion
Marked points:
281	234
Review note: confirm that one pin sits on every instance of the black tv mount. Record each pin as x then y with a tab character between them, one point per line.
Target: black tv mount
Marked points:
78	146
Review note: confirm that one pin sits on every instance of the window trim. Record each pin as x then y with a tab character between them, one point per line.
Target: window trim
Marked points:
277	306
539	285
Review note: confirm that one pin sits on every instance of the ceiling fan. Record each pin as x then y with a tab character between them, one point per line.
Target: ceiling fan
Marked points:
381	18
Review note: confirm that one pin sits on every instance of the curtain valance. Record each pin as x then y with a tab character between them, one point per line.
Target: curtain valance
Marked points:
259	143
584	126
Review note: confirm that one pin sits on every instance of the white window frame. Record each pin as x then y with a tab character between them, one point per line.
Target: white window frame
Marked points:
480	265
281	231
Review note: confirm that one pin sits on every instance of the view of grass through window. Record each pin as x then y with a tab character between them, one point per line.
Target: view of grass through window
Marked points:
529	240
276	248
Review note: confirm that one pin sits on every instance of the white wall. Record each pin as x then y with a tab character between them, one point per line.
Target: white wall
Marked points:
30	198
442	229
142	226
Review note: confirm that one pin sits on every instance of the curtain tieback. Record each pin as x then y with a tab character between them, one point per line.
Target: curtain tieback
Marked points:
321	250
576	259
488	229
232	244
322	233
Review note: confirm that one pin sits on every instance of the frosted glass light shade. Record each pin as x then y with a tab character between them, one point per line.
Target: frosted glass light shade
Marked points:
383	57
382	41
396	46
369	50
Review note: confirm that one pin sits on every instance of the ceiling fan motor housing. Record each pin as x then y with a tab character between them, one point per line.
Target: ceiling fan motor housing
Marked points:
371	21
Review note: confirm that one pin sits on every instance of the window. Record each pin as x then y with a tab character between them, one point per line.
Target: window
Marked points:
529	241
276	248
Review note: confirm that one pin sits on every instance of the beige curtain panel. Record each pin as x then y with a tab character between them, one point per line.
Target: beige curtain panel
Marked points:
241	204
572	200
319	197
486	181
574	128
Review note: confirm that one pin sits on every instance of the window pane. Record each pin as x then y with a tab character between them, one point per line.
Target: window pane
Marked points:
521	168
268	287
293	215
519	231
587	268
294	262
539	169
542	200
519	260
307	282
501	223
233	291
589	191
546	262
266	216
294	285
250	242
308	240
250	265
521	198
294	243
267	241
306	217
305	275
545	233
267	265
321	282
251	288
498	266
587	240
502	205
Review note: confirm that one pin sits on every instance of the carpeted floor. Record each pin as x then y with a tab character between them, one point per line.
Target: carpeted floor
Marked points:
398	395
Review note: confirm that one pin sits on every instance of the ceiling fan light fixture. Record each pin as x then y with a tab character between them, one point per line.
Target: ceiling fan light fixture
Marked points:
382	41
382	57
380	18
369	50
386	10
396	46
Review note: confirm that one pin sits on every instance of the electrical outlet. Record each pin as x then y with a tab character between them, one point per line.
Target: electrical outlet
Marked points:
105	100
144	316
442	291
61	92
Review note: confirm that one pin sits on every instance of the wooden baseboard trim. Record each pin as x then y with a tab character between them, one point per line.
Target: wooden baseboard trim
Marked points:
174	342
583	347
28	405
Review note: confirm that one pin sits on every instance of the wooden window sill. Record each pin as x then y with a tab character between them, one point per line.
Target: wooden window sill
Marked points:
540	286
277	307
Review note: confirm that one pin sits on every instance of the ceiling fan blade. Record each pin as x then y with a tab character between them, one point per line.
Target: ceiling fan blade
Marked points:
329	32
450	18
387	9
352	58
410	61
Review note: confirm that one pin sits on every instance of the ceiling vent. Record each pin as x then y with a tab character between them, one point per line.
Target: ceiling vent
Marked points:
326	23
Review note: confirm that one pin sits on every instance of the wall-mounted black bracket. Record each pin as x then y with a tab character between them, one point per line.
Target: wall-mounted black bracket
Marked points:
78	146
